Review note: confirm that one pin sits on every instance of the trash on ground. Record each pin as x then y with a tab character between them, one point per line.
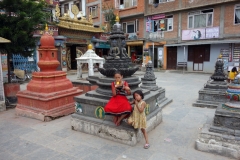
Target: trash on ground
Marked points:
167	140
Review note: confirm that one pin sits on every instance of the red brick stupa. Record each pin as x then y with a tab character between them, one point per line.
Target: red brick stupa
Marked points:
49	94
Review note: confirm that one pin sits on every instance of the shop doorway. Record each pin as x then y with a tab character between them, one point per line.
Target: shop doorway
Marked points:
198	54
198	61
136	54
171	57
73	52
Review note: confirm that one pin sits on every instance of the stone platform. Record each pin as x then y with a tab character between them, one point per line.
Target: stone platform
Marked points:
212	94
49	105
223	135
90	117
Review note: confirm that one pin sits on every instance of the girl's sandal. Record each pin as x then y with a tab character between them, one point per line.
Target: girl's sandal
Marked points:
146	146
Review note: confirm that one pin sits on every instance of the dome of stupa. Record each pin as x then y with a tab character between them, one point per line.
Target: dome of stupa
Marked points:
47	40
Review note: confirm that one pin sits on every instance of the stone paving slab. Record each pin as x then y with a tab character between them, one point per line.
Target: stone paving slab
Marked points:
24	138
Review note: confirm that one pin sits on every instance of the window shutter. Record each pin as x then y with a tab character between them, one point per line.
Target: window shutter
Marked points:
134	2
117	4
152	26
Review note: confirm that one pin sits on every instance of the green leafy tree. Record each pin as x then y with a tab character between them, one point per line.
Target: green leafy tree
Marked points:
108	12
18	22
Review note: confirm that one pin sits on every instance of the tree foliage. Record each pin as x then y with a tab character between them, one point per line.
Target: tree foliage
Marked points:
18	22
108	11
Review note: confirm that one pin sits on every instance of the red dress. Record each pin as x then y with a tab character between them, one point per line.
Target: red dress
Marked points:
118	104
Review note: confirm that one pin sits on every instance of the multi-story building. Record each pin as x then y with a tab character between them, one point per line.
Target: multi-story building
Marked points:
193	31
131	13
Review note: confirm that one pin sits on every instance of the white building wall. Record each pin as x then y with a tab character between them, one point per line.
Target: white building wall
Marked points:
208	67
214	53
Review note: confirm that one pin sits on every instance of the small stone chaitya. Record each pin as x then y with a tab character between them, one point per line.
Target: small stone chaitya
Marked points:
214	90
149	79
223	135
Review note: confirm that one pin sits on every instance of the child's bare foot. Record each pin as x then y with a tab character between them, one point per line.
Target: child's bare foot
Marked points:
118	123
115	118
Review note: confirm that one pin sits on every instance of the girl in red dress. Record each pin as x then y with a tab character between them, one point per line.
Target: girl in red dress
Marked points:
118	105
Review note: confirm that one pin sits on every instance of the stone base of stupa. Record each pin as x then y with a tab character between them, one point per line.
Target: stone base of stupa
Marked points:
212	95
88	120
46	106
223	135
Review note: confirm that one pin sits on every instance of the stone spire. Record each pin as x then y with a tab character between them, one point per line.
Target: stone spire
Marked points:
218	74
118	58
149	79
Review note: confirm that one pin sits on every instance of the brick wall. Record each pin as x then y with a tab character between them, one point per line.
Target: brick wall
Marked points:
174	33
162	7
216	17
180	5
133	10
229	26
95	19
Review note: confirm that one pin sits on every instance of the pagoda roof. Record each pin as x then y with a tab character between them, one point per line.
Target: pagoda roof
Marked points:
74	23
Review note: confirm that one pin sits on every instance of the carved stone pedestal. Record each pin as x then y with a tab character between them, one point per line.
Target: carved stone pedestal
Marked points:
223	136
212	94
214	90
90	118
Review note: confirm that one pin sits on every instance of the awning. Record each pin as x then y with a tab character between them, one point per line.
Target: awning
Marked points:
3	40
135	43
203	42
98	40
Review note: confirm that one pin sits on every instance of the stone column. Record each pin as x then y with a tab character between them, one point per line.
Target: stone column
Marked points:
90	67
129	51
101	65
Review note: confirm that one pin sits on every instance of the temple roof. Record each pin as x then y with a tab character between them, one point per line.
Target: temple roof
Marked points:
3	40
73	23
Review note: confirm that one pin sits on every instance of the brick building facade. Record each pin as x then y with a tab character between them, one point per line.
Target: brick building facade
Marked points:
193	31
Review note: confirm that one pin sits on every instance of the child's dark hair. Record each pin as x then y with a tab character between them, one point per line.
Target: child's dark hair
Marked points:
138	92
234	69
117	72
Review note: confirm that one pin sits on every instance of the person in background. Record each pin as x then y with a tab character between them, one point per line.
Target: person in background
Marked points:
232	74
133	57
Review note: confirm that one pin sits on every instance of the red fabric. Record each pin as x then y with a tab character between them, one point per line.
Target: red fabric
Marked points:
118	105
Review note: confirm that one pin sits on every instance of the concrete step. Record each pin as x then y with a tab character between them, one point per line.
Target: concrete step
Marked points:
206	104
164	102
